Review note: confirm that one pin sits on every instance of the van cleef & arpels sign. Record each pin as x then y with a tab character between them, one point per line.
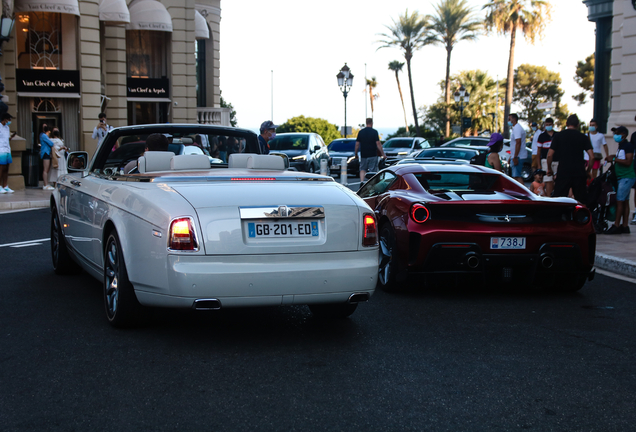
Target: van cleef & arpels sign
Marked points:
47	80
158	88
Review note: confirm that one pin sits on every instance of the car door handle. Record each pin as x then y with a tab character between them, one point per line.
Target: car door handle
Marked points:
76	183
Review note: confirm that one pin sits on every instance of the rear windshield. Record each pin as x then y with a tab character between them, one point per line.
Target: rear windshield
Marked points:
459	182
342	146
289	142
398	143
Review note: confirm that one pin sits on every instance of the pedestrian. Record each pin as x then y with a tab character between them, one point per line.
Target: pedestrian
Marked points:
544	141
598	142
537	184
624	168
518	150
368	142
58	157
495	145
536	156
102	128
268	133
46	147
568	146
5	152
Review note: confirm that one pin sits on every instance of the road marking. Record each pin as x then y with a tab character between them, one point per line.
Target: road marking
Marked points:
26	243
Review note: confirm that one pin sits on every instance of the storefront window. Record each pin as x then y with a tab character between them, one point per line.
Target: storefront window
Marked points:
146	53
39	40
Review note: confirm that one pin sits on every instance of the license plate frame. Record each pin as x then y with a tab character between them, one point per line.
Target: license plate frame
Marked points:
508	243
283	229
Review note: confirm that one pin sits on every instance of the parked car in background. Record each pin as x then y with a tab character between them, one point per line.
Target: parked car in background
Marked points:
342	150
399	148
181	233
467	224
450	153
305	150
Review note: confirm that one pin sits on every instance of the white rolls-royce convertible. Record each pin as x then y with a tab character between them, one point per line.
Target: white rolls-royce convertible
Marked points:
179	231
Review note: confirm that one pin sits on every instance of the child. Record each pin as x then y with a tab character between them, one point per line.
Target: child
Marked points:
537	184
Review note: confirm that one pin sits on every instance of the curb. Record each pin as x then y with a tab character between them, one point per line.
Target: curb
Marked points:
21	205
620	266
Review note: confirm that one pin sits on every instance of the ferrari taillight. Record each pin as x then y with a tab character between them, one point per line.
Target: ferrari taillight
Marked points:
182	236
419	213
370	234
581	214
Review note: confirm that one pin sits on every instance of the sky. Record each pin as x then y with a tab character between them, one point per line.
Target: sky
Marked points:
306	43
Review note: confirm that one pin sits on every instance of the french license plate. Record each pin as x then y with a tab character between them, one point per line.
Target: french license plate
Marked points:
507	242
283	229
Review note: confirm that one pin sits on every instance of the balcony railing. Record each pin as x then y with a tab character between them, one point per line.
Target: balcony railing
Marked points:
213	116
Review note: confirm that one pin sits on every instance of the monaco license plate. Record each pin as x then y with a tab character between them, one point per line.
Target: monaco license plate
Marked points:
507	242
285	229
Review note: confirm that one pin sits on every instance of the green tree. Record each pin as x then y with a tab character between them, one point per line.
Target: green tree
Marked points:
396	66
534	85
584	77
507	16
225	104
482	105
328	131
452	22
409	34
371	85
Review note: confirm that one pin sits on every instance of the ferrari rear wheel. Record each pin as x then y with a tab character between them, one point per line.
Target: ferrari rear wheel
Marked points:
122	307
387	268
335	310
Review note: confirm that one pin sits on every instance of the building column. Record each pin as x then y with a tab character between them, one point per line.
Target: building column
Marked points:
183	77
115	74
90	72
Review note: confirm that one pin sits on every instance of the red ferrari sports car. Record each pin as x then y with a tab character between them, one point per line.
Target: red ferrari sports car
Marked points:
471	224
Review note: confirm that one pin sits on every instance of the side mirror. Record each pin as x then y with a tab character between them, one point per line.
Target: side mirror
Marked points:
77	161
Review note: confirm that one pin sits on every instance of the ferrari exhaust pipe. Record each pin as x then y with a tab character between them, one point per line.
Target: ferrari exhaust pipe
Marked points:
206	304
472	260
358	297
547	261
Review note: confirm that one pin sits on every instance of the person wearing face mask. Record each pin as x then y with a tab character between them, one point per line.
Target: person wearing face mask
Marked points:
5	152
536	156
598	144
518	151
544	142
268	133
569	146
624	160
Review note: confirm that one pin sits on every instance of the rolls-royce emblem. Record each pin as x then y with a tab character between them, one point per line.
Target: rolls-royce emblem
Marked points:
283	211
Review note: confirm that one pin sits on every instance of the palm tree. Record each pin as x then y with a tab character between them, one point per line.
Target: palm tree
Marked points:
409	34
453	22
372	84
483	98
506	16
396	66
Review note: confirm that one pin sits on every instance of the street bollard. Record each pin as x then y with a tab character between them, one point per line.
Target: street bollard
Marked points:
343	171
323	166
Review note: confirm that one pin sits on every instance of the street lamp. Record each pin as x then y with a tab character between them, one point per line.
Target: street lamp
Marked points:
345	81
461	96
6	26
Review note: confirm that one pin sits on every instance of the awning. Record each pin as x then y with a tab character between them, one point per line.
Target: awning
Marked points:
201	30
114	11
60	6
50	95
149	15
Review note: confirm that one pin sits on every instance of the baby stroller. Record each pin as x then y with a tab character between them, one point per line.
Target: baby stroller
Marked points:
601	199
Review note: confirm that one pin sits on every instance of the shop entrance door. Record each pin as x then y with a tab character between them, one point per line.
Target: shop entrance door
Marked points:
39	120
147	112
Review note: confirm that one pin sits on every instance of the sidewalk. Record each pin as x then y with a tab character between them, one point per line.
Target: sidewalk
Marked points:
614	253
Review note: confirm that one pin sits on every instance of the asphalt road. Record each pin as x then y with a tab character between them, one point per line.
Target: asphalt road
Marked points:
422	360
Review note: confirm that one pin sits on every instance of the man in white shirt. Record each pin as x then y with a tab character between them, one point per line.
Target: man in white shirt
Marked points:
102	128
536	158
598	143
5	153
518	150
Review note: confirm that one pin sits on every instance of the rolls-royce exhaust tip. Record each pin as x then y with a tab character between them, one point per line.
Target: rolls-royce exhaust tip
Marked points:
547	261
358	297
206	304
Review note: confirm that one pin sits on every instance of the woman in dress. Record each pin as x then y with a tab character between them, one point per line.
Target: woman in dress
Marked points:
59	149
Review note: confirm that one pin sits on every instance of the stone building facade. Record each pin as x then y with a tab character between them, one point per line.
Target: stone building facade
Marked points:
138	61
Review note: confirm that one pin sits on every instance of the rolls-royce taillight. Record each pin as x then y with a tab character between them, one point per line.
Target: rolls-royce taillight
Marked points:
182	235
370	234
419	213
